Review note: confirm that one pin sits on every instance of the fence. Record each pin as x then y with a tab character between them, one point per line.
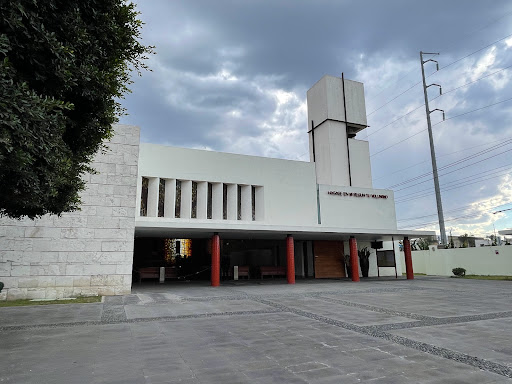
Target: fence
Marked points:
476	261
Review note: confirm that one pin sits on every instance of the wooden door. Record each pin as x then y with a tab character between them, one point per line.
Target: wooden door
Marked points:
329	259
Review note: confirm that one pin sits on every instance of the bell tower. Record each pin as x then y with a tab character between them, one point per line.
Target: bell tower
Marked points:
336	112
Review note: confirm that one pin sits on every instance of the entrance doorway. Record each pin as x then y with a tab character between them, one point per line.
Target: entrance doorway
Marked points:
329	259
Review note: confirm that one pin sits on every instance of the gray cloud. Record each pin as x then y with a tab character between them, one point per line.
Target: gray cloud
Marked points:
232	76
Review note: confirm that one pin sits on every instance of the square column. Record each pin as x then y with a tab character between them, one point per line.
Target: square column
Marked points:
186	199
232	208
408	259
202	199
215	276
354	260
170	198
153	189
290	260
217	201
246	205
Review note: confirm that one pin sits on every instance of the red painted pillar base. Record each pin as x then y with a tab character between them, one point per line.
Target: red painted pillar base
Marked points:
290	260
354	260
408	259
215	278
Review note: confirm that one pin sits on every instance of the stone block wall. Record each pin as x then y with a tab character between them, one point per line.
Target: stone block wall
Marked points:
83	253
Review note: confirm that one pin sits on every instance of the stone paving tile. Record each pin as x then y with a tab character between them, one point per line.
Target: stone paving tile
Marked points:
340	312
190	308
50	314
479	338
432	303
266	333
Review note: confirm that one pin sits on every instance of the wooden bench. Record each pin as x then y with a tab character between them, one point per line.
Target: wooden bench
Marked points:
171	273
272	271
148	273
243	271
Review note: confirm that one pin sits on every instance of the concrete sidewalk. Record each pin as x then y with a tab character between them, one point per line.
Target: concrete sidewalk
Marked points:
430	330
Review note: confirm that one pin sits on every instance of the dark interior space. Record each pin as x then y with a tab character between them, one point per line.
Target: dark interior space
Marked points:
190	259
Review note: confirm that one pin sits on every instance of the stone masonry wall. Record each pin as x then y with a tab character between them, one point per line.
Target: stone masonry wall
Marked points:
83	253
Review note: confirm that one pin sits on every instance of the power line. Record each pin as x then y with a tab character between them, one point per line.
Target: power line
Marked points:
474	110
492	22
451	182
472	205
448	189
444	93
446	66
452	164
435	214
443	155
453	117
435	222
447	185
472	53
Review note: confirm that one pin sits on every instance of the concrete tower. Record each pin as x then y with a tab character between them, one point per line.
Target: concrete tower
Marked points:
336	112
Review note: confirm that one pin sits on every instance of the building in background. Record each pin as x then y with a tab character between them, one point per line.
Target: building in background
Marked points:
199	214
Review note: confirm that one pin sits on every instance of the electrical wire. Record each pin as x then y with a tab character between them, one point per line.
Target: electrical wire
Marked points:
452	164
440	69
450	118
444	93
443	155
492	22
448	189
447	185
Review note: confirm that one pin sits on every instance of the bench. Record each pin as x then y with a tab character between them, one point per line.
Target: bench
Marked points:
154	273
171	273
272	271
243	271
148	273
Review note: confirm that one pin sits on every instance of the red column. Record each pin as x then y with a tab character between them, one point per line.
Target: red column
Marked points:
408	259
354	260
215	260
290	260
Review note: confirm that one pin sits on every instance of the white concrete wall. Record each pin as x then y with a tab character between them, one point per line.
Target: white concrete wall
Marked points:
325	101
357	212
331	154
360	166
88	252
476	261
287	189
354	100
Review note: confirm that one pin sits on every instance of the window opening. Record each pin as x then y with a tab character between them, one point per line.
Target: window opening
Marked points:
144	197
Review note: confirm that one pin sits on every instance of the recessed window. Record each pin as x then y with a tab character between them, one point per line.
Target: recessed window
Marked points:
144	197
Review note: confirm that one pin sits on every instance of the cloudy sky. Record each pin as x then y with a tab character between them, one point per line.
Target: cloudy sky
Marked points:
232	76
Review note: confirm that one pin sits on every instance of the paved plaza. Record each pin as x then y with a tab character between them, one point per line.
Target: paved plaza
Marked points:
430	330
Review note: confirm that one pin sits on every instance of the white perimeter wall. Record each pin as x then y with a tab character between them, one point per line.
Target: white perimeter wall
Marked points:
476	261
357	212
88	252
289	187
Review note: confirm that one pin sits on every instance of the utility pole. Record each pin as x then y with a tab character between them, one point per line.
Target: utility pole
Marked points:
440	215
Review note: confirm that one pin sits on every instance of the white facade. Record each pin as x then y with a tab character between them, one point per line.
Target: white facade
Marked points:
193	194
83	253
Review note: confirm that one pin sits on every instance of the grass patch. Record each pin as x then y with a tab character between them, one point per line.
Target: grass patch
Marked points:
78	300
487	277
416	274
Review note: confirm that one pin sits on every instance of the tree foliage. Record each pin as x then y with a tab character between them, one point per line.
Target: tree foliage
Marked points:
64	64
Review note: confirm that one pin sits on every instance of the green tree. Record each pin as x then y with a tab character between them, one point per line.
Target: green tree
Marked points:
64	64
464	241
423	244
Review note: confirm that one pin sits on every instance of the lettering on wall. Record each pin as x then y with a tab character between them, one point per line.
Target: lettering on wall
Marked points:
357	194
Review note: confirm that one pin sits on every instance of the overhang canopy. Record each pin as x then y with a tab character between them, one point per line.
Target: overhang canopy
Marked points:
187	229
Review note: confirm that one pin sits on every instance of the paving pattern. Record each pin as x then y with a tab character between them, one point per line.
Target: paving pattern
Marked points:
430	330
